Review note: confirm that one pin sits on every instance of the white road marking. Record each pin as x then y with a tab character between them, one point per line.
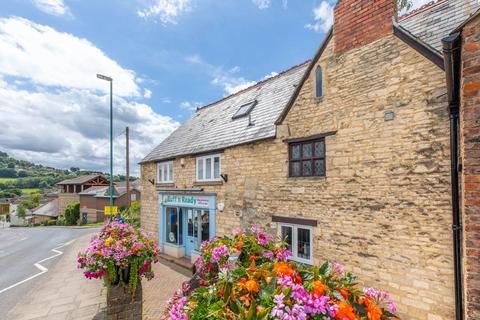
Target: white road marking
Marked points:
23	239
39	266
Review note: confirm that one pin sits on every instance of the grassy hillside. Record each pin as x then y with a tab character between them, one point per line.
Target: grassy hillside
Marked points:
19	177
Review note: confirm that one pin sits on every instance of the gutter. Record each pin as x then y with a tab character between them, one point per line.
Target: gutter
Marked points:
452	57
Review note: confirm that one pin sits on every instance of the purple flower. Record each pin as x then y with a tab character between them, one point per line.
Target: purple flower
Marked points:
218	253
238	231
283	254
268	254
255	229
262	239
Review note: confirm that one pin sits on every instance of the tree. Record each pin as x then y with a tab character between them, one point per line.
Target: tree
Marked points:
21	211
74	169
72	213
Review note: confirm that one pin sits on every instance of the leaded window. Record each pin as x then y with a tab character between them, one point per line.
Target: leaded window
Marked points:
307	159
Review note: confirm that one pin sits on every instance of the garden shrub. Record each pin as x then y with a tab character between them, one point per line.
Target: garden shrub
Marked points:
72	213
249	276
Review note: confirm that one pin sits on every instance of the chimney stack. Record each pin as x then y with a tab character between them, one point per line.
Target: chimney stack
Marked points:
359	22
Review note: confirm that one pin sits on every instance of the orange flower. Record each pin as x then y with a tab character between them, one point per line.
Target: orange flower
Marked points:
319	288
282	269
343	292
345	311
373	311
252	286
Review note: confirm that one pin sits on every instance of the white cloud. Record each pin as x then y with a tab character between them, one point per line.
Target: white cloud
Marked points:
167	11
262	4
323	17
71	127
53	7
232	84
270	75
147	93
265	4
51	58
190	106
68	124
226	78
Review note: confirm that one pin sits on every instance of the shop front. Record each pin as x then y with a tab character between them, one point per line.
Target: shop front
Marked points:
185	221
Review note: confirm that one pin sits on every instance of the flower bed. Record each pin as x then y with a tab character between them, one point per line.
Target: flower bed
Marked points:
248	276
119	254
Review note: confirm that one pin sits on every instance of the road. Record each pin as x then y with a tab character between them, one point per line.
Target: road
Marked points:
20	249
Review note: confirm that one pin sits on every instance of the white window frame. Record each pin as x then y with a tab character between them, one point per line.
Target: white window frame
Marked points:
212	166
164	166
295	240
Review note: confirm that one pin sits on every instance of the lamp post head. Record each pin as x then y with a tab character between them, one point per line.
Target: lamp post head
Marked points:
101	76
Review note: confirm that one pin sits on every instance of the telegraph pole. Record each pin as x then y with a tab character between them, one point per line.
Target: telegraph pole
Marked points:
128	165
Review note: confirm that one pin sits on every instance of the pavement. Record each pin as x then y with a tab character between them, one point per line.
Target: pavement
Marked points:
168	278
20	249
62	292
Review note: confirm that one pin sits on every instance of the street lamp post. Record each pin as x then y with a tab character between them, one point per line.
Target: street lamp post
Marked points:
109	79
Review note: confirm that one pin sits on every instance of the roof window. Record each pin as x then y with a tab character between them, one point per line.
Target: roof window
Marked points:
244	109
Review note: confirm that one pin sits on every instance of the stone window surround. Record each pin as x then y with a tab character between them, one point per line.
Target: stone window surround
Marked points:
161	166
294	241
214	180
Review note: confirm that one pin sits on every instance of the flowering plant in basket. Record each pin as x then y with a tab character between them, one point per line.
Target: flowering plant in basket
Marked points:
249	276
120	254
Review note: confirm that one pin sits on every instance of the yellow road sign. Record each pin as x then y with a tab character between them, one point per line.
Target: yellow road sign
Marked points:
110	210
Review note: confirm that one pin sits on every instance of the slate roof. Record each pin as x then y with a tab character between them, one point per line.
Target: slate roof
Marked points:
212	128
49	209
80	179
437	19
102	191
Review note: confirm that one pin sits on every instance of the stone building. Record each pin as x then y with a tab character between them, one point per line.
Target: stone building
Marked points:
69	189
346	156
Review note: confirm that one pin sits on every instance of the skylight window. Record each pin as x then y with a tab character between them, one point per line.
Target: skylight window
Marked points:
244	109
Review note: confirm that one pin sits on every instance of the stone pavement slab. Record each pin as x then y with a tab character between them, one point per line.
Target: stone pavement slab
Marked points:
168	278
63	292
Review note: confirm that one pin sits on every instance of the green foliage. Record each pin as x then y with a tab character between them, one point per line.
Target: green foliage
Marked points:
8	173
404	5
132	214
21	211
72	213
60	221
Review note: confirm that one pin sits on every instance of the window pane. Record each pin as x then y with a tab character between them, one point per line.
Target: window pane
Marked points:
208	168
307	168
190	223
172	226
307	150
287	236
165	173
200	169
319	167
295	169
216	168
319	149
160	171
295	151
303	243
319	80
170	172
204	218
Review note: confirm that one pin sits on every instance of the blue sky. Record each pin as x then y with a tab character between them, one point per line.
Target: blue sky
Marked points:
166	58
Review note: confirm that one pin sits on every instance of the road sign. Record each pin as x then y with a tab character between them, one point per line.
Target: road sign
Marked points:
110	210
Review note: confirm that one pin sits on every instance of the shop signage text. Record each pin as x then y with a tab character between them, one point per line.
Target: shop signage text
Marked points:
192	201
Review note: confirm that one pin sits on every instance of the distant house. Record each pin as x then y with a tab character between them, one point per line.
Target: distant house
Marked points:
94	200
70	188
45	212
